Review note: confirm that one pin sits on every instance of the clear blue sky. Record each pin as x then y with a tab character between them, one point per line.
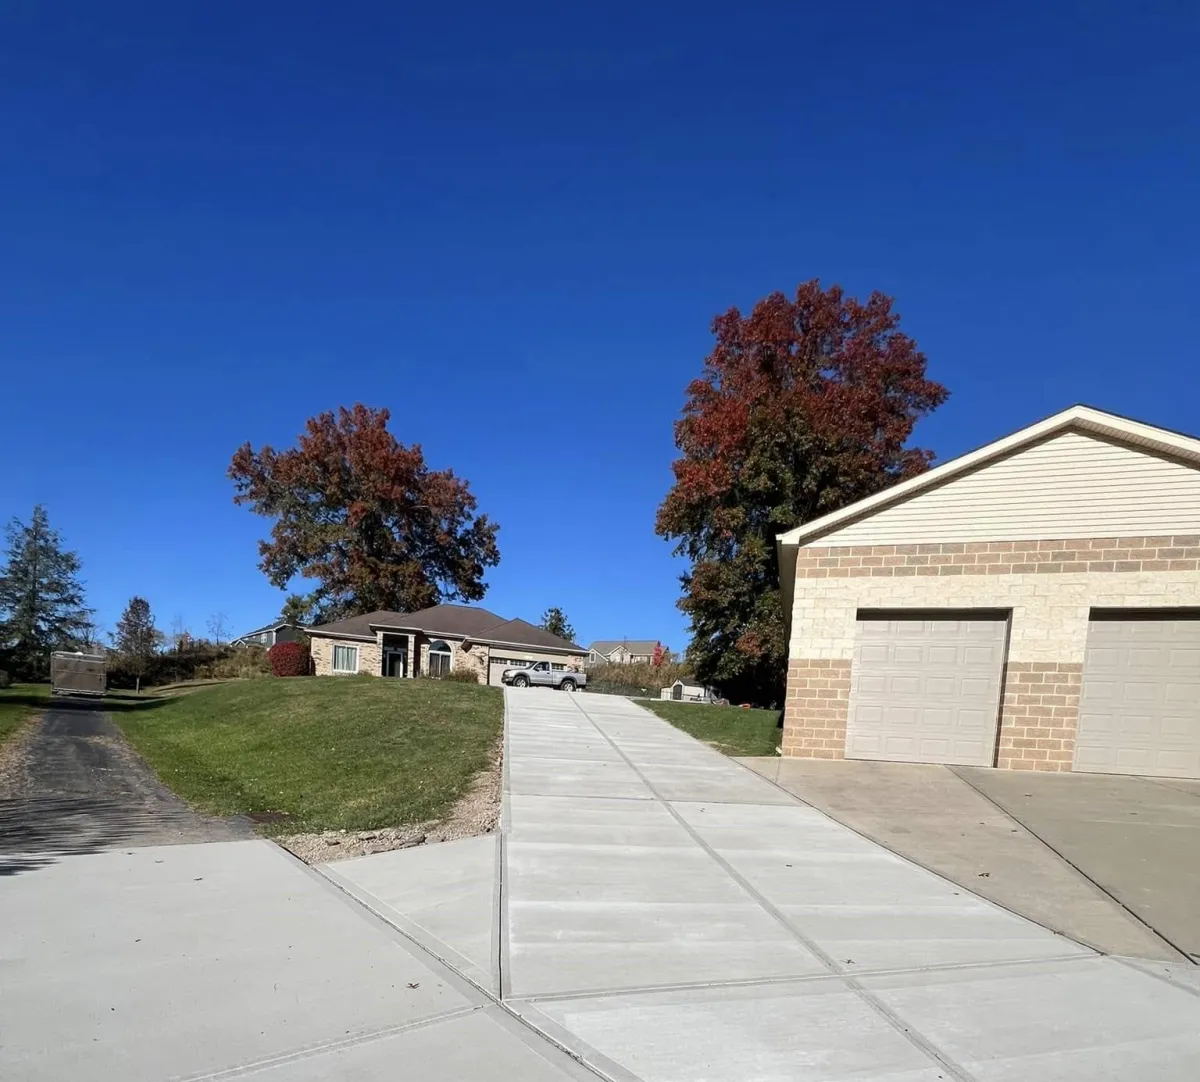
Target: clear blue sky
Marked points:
512	225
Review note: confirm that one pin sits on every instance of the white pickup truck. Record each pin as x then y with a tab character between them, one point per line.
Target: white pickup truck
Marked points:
540	674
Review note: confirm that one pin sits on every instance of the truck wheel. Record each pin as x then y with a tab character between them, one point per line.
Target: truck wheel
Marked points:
567	685
520	681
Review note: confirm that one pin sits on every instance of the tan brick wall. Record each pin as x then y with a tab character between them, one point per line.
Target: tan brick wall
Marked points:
1039	715
816	709
1049	587
1103	554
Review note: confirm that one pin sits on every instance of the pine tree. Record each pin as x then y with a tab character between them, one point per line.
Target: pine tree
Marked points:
555	621
41	598
135	637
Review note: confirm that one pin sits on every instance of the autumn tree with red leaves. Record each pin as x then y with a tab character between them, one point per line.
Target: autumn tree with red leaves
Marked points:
804	406
365	517
659	655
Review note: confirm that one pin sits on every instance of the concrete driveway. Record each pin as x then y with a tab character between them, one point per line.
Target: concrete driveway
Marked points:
651	910
1111	861
665	914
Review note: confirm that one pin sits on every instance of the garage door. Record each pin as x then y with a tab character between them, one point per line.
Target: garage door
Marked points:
926	690
1139	709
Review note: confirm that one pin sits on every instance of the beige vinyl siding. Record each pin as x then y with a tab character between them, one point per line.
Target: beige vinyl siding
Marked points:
1071	485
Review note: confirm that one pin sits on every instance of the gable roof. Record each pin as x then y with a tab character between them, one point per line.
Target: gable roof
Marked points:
1086	419
453	621
268	627
634	646
523	633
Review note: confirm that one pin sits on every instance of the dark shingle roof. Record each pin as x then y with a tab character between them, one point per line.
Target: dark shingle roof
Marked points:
462	621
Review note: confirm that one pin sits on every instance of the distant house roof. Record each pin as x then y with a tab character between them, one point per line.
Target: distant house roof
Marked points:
269	627
634	646
455	621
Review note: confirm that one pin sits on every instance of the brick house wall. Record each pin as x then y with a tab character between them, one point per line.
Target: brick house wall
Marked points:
1049	587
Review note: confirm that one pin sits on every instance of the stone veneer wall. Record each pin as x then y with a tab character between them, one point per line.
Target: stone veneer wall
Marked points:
1050	588
370	655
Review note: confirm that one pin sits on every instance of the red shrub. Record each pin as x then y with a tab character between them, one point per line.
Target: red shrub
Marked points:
290	659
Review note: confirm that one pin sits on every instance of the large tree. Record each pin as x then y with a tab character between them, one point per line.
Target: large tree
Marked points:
136	637
804	406
41	598
364	516
555	621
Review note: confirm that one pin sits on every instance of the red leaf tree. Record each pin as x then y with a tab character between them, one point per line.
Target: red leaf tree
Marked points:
659	655
289	659
364	516
804	406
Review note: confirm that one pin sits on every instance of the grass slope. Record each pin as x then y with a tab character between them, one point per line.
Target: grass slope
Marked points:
326	752
727	728
17	703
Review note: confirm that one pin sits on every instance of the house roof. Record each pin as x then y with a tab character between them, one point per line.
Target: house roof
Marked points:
1078	418
634	646
453	621
269	627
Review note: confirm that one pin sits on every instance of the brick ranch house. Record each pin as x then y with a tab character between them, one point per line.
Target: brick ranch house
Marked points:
433	642
1032	605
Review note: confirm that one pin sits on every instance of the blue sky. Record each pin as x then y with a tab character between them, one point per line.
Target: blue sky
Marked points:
512	226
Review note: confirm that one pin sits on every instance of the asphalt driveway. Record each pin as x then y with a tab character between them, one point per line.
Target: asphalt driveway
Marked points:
1113	862
73	785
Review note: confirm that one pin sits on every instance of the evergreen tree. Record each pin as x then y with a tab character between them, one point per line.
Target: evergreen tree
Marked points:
41	598
555	621
135	637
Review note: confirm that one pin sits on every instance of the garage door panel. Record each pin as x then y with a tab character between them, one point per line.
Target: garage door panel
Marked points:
1139	707
926	690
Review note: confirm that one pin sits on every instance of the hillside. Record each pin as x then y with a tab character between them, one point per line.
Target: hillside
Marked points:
320	753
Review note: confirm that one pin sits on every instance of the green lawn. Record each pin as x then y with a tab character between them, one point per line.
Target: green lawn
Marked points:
728	728
319	753
17	703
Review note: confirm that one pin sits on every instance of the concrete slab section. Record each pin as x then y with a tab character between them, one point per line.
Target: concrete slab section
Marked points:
1065	1022
443	895
819	1031
1137	839
483	1046
930	815
183	960
574	777
630	903
864	907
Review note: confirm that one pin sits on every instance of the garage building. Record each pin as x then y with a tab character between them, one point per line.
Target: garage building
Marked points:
1032	605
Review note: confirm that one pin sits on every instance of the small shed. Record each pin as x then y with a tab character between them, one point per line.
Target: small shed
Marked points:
688	693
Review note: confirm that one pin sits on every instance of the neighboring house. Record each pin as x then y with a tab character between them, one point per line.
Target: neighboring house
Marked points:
1032	605
271	634
621	651
435	641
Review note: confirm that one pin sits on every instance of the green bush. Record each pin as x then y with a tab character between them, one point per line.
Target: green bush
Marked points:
5	680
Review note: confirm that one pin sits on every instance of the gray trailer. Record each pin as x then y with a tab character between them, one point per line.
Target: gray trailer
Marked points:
77	674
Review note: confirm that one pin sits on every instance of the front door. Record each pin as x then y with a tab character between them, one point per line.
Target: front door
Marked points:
395	663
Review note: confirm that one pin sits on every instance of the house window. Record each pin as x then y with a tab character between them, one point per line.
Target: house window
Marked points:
439	658
345	659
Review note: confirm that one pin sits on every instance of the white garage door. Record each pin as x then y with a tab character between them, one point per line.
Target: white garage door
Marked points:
926	690
1139	709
